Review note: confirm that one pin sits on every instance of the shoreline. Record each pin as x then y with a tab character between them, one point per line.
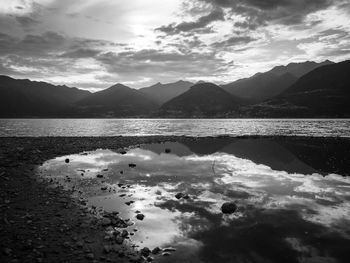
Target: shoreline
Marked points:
44	224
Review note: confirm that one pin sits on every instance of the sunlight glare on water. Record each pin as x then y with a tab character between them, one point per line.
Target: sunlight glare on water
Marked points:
169	127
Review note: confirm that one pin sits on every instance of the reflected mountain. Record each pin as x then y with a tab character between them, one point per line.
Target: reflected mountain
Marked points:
294	155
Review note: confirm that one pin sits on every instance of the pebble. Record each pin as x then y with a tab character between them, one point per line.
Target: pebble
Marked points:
90	256
156	250
228	208
106	221
169	249
145	252
140	216
7	251
107	249
179	195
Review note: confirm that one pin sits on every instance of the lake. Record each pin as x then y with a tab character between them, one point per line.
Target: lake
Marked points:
293	202
169	127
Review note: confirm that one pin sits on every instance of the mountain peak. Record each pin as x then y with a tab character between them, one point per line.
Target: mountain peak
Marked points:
119	86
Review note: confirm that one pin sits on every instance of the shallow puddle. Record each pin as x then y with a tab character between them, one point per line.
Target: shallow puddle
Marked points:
288	210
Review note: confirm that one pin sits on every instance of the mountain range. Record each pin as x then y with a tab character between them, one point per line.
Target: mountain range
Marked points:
161	93
306	89
262	86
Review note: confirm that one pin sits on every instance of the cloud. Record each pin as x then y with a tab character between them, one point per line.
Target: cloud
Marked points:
233	41
200	23
27	21
80	53
286	12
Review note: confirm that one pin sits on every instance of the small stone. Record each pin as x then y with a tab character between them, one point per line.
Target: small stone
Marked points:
7	251
132	165
156	250
99	176
179	195
119	240
106	221
66	244
107	249
140	216
90	256
124	233
104	188
228	208
169	249
79	244
149	259
67	160
145	252
166	254
167	150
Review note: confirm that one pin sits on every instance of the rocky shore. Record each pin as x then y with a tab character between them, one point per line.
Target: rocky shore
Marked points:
40	223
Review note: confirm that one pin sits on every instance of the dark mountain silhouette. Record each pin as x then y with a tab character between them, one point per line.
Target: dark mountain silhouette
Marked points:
161	93
299	69
116	101
323	92
266	85
204	99
25	98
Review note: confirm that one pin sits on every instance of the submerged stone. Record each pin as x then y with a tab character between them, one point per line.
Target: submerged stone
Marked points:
228	208
179	195
140	216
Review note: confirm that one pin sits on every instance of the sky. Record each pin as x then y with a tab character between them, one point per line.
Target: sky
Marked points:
93	44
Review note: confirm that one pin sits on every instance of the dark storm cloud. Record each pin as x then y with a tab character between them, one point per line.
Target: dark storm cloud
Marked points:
202	22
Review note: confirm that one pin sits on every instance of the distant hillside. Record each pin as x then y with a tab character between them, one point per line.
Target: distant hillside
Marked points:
161	93
21	98
116	101
266	85
201	100
323	92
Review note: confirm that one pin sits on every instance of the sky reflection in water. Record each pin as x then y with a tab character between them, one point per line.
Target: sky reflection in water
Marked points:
288	210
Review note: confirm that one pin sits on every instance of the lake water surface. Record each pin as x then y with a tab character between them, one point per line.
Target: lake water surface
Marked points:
293	204
188	127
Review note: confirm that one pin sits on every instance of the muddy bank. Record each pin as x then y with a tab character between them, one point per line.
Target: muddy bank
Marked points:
43	224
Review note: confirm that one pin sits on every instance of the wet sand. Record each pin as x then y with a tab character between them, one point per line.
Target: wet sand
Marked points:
44	224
